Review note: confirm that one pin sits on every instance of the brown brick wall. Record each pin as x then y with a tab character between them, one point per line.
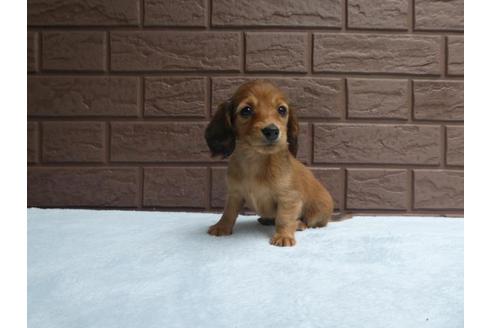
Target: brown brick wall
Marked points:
119	93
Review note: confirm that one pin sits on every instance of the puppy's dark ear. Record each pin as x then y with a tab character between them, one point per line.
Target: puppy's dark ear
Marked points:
292	132
220	132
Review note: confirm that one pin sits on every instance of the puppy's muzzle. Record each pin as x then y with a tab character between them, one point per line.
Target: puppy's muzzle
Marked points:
271	133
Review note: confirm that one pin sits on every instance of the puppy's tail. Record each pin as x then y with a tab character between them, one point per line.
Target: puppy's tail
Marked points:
266	221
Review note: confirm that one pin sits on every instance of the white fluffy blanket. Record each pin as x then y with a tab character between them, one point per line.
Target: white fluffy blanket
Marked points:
121	269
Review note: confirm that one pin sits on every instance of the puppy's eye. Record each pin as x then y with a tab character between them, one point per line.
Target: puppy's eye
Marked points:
282	110
246	111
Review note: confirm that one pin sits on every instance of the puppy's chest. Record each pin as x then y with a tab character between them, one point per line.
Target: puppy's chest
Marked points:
259	198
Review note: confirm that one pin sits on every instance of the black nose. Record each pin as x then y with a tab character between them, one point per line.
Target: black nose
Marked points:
270	132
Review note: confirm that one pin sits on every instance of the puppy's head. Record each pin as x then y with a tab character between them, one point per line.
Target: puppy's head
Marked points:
258	116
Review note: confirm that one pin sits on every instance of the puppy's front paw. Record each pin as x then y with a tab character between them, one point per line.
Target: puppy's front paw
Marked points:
219	230
282	240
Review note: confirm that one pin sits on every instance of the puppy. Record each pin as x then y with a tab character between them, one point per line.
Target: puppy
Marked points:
258	130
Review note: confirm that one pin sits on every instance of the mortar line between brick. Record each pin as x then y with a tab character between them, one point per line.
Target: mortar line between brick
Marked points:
267	74
208	22
454	167
108	53
40	151
141	97
203	29
189	163
344	15
202	120
411	16
409	190
345	113
444	146
38	142
410	101
310	53
446	56
142	14
140	185
412	189
107	142
40	50
343	207
443	56
208	98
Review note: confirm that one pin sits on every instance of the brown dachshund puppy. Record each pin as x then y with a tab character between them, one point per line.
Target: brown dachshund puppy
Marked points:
258	130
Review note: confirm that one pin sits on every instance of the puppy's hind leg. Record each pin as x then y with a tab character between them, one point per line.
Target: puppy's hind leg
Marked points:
317	216
301	226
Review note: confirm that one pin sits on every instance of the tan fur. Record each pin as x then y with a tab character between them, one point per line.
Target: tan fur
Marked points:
268	178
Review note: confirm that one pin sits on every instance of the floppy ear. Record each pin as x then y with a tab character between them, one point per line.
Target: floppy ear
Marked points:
220	133
292	132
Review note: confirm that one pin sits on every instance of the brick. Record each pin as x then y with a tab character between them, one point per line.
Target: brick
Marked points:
96	187
219	187
175	13
438	100
438	189
281	52
374	98
455	147
176	141
376	189
377	14
310	97
175	187
376	143
292	13
73	141
82	96
456	60
376	53
75	51
174	51
332	180
32	142
439	15
175	96
32	50
82	13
